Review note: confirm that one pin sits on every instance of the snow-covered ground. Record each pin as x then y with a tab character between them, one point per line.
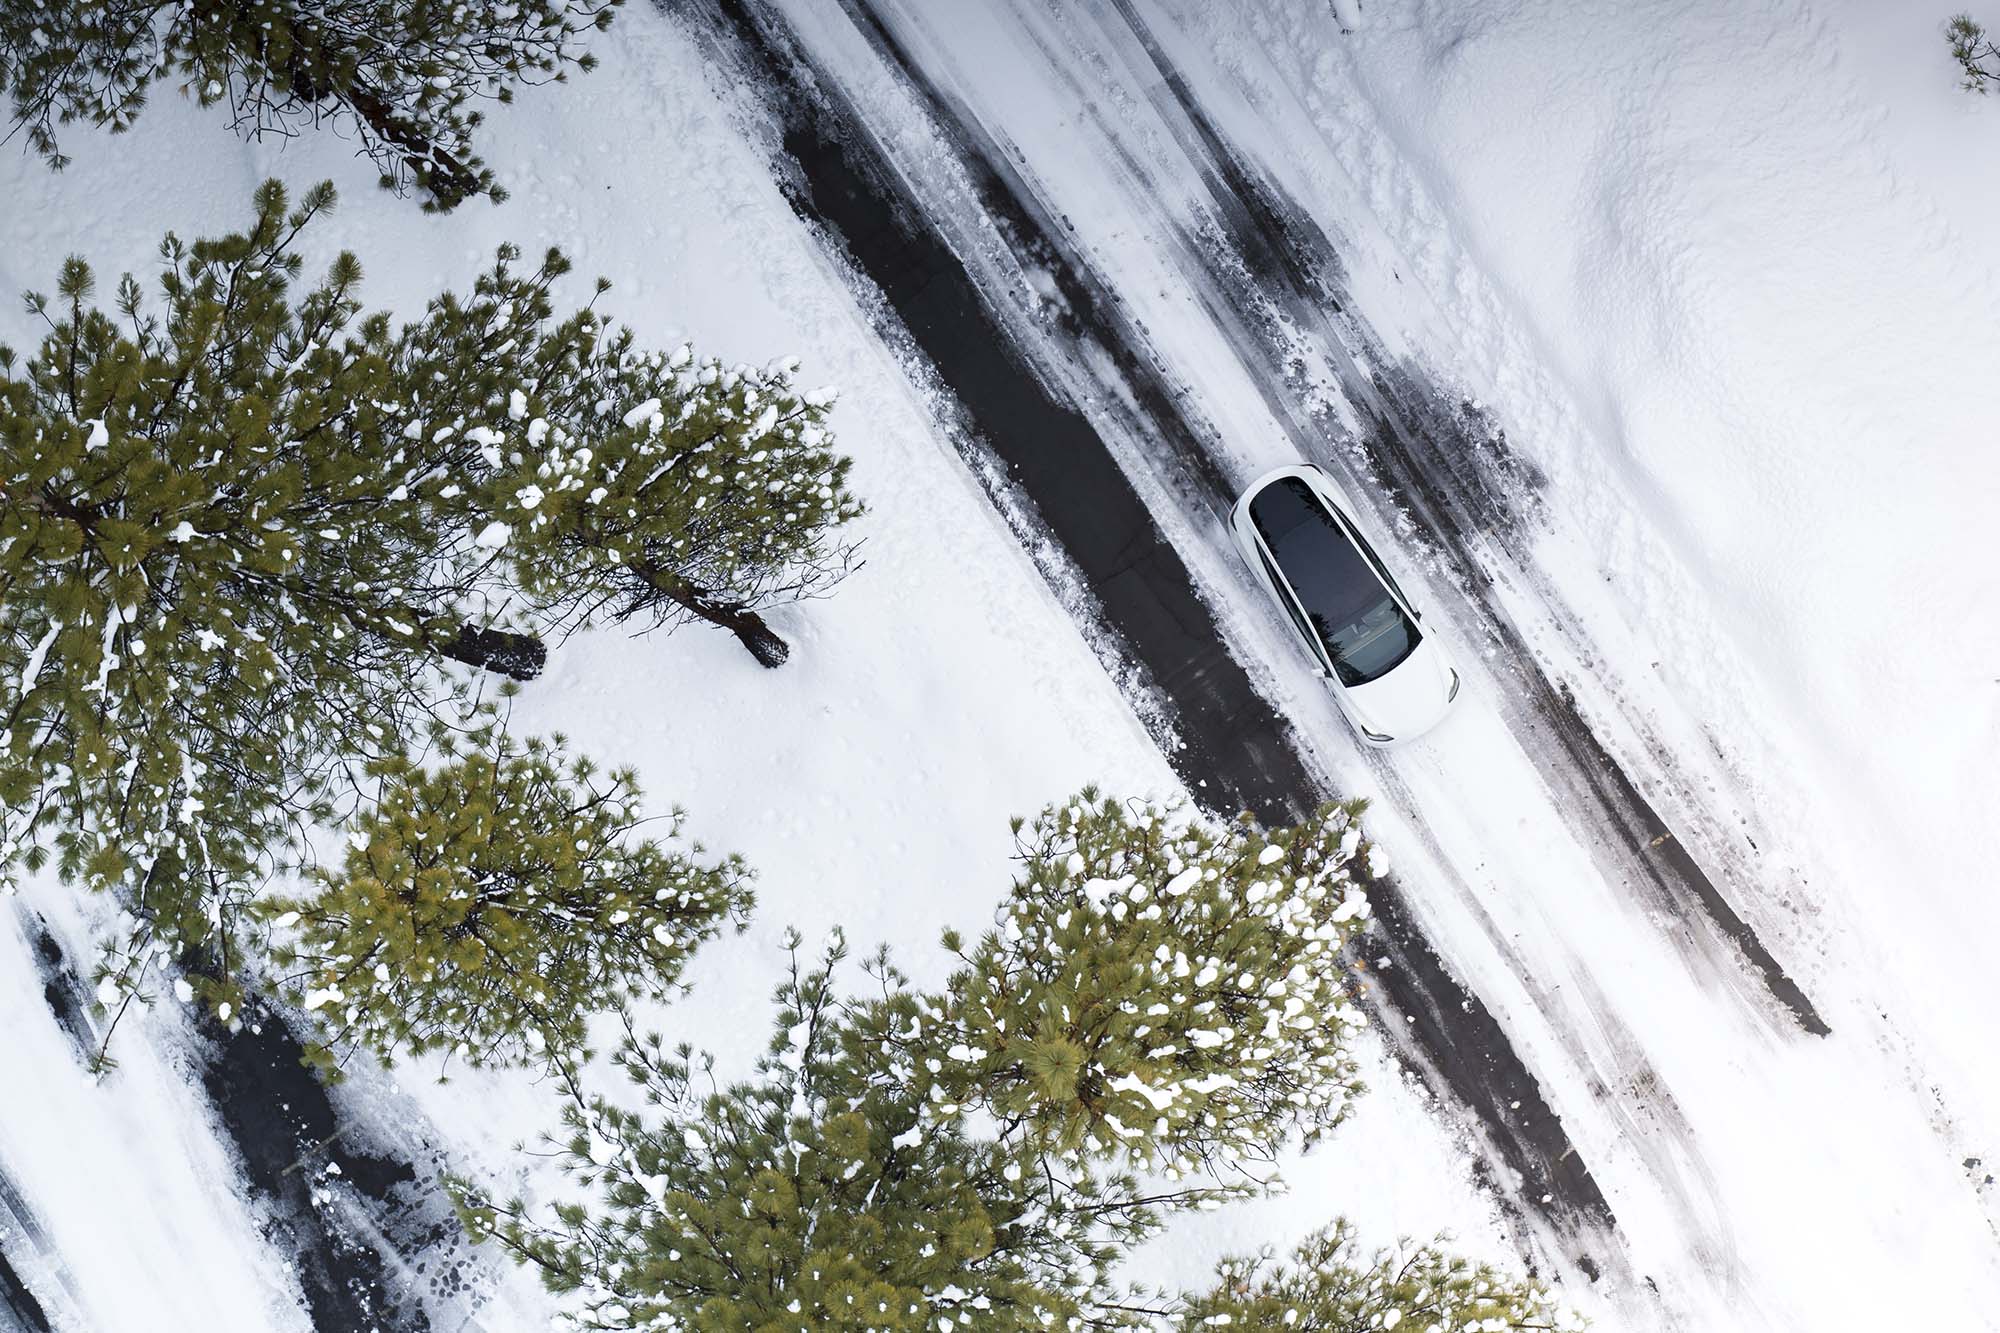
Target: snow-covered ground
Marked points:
870	781
1727	272
1723	271
1718	272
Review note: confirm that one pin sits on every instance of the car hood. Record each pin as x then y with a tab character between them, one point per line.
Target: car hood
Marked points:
1407	700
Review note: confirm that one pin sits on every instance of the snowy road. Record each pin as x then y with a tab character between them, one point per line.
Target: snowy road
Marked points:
20	1309
365	1230
1050	465
1579	878
1092	266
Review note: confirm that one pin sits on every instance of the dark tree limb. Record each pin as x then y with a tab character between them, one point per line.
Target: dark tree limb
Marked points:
748	627
1977	54
449	180
518	656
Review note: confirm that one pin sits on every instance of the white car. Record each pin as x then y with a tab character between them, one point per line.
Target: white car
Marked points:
1388	672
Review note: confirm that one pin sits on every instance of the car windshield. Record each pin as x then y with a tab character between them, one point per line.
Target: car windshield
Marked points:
1363	628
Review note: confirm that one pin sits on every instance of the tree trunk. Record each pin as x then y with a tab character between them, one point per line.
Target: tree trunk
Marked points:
450	181
748	627
519	656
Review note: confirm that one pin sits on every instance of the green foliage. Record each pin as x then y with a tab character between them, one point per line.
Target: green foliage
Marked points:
634	482
406	77
817	1195
1330	1286
1159	990
243	536
213	575
1162	994
490	905
1977	56
717	490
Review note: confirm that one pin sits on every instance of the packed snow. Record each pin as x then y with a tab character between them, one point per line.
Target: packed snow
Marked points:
1724	271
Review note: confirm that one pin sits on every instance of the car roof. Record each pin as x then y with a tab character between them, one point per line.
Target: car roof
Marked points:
1299	528
1307	471
1329	572
1327	494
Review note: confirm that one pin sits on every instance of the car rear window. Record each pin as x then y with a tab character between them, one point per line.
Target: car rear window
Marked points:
1363	629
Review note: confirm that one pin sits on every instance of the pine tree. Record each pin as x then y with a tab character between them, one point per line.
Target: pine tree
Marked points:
1977	55
491	904
1330	1286
406	77
622	482
820	1194
243	538
216	574
1159	989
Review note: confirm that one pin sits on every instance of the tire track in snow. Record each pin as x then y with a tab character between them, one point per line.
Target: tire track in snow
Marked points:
1630	1091
1463	490
1233	749
1611	1059
369	1252
339	1211
18	1304
20	1310
62	989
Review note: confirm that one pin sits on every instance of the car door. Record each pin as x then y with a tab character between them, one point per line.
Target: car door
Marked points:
1336	502
1282	590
